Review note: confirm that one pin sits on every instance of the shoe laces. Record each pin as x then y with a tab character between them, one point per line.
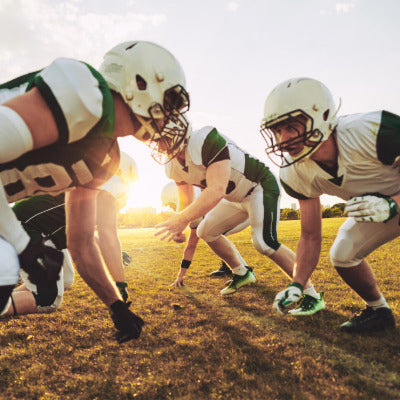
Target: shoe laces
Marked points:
307	302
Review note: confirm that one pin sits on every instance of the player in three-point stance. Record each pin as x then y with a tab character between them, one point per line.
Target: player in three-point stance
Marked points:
354	157
235	186
58	131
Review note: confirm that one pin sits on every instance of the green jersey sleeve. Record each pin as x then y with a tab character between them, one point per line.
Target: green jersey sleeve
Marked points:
388	138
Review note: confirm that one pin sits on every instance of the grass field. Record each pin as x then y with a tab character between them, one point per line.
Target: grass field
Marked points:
198	345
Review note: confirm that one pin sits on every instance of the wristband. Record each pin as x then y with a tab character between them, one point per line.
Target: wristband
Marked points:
393	208
185	264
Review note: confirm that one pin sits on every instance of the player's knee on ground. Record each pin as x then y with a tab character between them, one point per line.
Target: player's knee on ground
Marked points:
204	232
343	252
9	264
266	246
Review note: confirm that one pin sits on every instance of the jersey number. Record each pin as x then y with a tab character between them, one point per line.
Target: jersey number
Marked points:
39	179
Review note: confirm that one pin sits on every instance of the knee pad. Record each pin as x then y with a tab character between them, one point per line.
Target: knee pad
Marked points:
266	247
342	253
204	233
16	138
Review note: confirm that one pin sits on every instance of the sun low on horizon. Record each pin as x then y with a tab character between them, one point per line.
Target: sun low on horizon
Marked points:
146	191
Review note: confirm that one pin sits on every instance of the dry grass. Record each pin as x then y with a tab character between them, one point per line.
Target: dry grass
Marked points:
209	347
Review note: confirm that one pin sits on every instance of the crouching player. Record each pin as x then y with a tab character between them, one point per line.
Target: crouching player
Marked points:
43	218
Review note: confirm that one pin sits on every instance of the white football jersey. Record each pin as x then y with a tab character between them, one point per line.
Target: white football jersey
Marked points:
368	145
203	148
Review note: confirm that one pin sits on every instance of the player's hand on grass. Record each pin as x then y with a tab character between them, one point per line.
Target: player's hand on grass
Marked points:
284	299
178	282
371	208
128	325
179	237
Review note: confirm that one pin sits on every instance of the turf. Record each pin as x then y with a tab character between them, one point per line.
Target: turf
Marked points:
199	345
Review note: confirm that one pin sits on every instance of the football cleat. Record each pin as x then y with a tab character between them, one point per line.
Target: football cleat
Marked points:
309	305
223	270
128	324
238	281
369	321
42	263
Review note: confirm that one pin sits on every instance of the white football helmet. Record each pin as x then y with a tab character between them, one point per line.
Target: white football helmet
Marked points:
174	137
127	170
169	195
293	98
152	82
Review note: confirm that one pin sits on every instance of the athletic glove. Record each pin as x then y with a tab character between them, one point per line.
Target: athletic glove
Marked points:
287	297
128	324
126	258
371	208
42	263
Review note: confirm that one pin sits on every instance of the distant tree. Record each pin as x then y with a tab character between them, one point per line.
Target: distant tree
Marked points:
288	213
337	210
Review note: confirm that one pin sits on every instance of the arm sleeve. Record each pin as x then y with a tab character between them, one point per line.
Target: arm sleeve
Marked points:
388	138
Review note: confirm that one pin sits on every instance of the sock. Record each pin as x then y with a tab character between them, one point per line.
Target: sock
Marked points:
311	292
380	303
240	270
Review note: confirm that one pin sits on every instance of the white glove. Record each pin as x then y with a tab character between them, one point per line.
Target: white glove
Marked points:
286	297
371	208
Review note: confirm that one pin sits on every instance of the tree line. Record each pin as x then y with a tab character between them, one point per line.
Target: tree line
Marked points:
147	218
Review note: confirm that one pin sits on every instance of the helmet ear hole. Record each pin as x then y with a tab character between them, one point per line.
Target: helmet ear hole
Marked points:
325	115
141	83
146	136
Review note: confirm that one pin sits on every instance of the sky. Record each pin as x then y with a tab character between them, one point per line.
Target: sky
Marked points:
233	54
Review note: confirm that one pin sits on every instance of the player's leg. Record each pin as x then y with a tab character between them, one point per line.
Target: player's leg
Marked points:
224	270
222	218
355	240
264	212
110	246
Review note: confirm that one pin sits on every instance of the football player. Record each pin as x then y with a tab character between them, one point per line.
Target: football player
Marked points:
354	157
58	130
236	186
170	198
44	217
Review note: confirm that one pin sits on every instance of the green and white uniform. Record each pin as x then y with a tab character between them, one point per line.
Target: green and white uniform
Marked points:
84	155
44	217
368	146
252	192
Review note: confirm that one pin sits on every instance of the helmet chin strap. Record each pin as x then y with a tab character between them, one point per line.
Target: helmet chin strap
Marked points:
146	127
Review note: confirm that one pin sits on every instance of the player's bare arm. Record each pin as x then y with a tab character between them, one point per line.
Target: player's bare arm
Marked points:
80	208
309	246
110	246
217	177
185	195
33	109
187	256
